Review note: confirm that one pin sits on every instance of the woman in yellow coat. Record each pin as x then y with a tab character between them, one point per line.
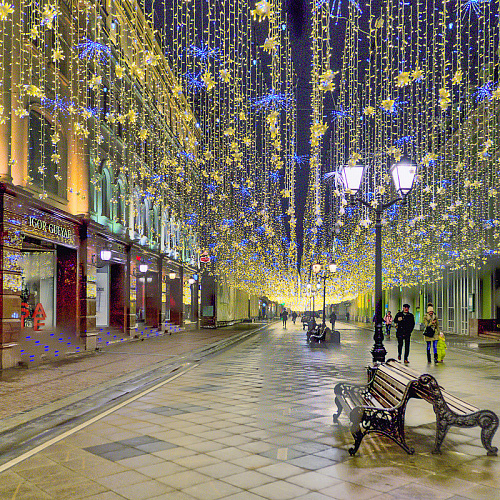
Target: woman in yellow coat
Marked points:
431	332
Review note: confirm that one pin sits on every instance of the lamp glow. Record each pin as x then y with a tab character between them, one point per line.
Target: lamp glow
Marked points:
351	177
105	254
172	276
143	268
403	174
332	268
316	268
191	281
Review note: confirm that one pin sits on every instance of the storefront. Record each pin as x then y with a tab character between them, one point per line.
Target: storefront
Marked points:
145	295
39	273
172	292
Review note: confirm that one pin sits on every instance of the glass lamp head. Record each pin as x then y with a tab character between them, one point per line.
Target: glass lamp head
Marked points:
403	175
105	254
351	177
143	268
172	276
332	268
316	268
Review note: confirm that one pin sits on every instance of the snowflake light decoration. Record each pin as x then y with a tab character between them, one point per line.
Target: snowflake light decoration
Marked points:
58	103
274	101
94	50
203	53
274	176
484	92
298	159
340	113
407	139
473	5
194	82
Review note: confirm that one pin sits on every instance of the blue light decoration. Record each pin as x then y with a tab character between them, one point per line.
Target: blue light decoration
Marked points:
186	155
273	101
204	52
94	50
335	7
194	82
192	219
58	103
473	5
340	113
244	191
274	176
484	92
298	159
406	139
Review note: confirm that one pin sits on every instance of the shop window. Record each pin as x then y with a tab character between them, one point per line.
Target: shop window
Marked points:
41	167
38	289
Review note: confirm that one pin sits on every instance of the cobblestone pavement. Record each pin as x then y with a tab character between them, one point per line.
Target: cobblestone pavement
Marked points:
255	422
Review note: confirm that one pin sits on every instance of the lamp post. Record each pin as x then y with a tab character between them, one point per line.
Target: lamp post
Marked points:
316	270
403	175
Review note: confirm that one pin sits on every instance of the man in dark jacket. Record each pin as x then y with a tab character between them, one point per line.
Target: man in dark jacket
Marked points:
405	323
333	318
284	317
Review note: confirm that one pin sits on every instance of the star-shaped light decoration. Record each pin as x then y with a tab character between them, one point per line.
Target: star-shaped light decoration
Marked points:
403	79
261	11
270	45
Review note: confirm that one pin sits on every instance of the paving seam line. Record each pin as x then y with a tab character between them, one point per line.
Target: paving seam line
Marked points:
96	418
15	421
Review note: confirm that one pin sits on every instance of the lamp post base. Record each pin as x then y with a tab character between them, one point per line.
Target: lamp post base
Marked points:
378	350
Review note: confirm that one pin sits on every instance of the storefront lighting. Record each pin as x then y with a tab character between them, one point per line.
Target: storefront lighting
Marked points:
143	268
105	254
172	276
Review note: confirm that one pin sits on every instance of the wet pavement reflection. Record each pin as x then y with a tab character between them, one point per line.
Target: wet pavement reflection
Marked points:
254	421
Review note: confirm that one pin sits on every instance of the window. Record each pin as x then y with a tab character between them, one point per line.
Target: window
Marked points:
38	287
106	193
41	168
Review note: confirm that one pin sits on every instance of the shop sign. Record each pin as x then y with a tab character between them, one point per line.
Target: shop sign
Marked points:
204	257
46	228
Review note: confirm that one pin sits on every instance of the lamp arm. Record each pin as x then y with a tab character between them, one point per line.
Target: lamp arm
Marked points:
383	207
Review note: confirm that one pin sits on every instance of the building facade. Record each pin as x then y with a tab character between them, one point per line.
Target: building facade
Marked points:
98	176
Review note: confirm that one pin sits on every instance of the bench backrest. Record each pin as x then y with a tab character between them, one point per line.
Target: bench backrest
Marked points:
387	386
424	391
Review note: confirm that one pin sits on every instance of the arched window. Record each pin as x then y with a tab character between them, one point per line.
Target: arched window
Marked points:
41	167
120	202
106	193
93	193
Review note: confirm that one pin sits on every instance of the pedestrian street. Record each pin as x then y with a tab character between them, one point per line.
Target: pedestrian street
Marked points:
255	422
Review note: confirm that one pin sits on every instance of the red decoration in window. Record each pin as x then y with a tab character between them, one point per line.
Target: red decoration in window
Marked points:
38	316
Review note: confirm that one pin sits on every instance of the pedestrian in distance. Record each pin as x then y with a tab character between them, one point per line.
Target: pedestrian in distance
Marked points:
333	318
405	323
284	317
347	315
294	317
431	332
388	324
441	347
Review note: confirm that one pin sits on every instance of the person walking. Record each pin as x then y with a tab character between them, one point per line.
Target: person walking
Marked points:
294	317
333	318
388	324
347	315
284	317
431	332
405	323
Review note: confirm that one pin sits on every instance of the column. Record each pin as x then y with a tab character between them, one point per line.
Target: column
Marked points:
10	280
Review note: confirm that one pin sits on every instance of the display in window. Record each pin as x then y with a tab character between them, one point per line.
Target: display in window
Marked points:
37	290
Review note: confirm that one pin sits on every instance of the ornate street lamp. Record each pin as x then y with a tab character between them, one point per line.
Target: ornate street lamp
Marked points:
403	174
332	268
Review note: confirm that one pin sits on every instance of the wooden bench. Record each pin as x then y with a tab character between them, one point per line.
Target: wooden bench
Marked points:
378	407
449	409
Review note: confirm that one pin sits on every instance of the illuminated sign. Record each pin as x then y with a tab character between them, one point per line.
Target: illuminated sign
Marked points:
43	226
